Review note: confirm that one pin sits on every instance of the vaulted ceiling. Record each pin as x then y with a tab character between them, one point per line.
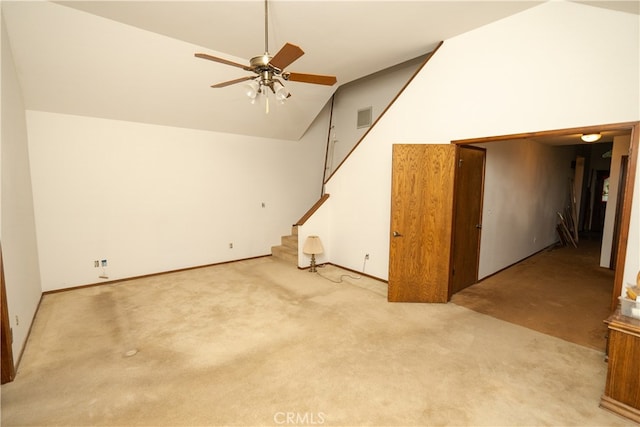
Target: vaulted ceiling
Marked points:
134	60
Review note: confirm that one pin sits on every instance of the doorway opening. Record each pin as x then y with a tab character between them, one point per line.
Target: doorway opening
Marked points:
604	264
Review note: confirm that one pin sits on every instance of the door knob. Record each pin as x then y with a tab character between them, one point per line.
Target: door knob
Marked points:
396	234
478	225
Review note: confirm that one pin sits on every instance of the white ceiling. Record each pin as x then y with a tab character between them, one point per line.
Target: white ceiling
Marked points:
133	60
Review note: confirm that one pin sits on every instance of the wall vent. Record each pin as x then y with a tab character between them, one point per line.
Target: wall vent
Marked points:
364	117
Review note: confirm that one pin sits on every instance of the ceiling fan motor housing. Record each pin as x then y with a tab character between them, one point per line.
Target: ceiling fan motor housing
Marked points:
261	61
261	66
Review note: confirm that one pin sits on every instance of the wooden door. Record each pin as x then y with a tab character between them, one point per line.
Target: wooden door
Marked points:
468	217
421	222
622	181
8	370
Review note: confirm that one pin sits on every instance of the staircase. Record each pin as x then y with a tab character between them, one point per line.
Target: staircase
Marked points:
288	250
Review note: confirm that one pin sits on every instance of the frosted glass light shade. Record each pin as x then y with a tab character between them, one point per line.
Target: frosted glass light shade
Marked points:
591	137
281	94
252	89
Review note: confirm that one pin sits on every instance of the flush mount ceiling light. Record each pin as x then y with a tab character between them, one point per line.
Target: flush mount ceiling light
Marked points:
591	137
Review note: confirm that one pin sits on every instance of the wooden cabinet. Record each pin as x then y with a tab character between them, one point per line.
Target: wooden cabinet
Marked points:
622	391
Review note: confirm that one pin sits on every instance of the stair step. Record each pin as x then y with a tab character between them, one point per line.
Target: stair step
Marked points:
290	242
288	250
285	253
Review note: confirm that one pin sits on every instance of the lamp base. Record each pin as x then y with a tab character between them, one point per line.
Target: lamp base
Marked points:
312	267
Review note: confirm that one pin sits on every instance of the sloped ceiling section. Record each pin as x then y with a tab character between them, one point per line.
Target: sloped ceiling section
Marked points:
134	60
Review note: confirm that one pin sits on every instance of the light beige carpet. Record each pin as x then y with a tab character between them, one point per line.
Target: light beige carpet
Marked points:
259	342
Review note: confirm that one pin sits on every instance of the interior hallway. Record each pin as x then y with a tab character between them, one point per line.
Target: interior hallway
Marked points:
250	342
560	291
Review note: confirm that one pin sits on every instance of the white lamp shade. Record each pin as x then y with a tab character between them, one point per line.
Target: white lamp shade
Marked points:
312	246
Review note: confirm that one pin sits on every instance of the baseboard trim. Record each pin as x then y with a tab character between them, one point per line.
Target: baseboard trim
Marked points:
546	248
620	408
143	276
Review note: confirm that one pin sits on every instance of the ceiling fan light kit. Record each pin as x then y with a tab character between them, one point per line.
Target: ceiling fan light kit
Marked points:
269	69
252	89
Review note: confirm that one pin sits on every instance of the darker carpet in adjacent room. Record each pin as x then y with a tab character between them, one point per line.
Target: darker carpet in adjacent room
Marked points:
561	291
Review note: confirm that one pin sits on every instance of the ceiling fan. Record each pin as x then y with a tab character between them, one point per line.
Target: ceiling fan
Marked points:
269	69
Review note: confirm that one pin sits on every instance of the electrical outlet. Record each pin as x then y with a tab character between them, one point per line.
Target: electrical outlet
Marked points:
96	264
366	256
230	245
17	320
264	205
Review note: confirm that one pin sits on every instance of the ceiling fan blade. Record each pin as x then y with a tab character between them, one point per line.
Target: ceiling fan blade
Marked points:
311	78
232	82
222	61
286	55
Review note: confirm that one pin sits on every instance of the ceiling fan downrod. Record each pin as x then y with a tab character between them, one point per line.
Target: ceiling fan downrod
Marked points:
266	28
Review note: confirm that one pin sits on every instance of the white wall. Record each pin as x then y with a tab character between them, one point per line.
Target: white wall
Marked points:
17	231
620	148
524	73
526	184
376	91
151	198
